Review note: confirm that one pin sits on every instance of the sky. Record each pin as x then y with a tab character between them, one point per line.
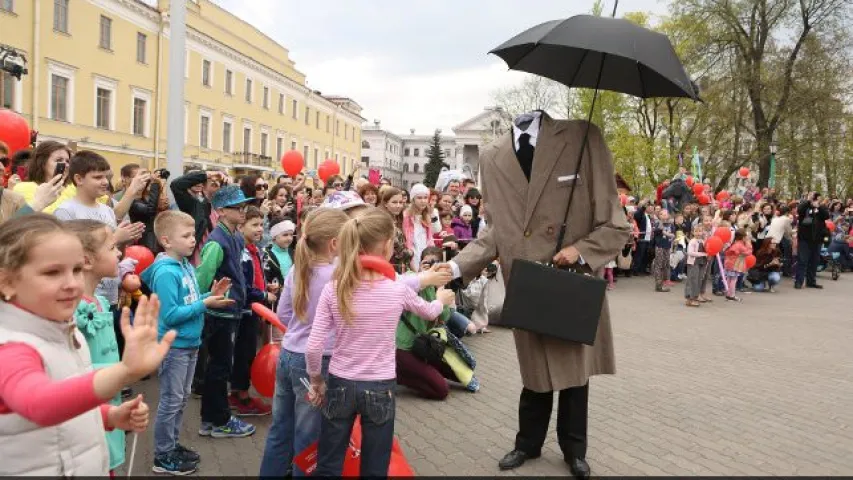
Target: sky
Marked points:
419	64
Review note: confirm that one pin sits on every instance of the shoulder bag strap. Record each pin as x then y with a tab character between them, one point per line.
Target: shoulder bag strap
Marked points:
409	324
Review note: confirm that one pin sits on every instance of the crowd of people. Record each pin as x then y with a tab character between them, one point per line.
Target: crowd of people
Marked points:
355	271
794	238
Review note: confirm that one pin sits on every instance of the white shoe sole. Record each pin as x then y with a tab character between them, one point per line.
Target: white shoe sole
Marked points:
157	469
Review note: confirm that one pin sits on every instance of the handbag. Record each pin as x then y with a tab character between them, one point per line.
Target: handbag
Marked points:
428	347
552	301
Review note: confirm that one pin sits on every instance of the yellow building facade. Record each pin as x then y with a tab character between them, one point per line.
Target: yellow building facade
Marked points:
98	80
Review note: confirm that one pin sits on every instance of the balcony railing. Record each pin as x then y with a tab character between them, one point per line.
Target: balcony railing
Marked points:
254	159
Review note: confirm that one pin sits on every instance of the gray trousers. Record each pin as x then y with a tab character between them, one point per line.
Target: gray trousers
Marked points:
695	276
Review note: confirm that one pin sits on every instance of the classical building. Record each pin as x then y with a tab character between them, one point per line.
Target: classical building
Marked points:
461	150
98	77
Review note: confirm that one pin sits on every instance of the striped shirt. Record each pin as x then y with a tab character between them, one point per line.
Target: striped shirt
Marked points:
365	348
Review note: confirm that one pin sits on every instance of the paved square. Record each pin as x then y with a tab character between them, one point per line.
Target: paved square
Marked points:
763	387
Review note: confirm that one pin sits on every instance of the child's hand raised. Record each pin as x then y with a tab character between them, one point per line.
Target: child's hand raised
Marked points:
142	352
445	296
220	287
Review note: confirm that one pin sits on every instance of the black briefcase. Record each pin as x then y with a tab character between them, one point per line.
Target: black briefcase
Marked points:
550	301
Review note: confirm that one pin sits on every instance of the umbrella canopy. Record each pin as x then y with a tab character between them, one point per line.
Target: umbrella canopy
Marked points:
637	61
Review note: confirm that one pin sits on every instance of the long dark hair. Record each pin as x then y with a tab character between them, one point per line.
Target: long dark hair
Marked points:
247	185
37	171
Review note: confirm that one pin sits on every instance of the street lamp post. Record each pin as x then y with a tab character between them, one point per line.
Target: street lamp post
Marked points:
771	182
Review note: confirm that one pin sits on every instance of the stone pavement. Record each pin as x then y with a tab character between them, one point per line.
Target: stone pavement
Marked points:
763	387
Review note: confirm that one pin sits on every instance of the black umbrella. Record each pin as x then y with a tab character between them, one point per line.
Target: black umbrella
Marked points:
600	52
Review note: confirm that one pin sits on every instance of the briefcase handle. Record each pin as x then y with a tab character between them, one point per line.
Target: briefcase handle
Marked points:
564	226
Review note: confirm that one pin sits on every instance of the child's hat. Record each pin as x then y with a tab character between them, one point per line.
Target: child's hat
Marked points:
466	209
285	226
343	200
229	196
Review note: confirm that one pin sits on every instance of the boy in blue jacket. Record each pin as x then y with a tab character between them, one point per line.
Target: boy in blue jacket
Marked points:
182	308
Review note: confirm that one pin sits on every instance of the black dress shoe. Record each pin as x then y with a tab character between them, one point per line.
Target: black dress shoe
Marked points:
798	286
814	285
515	459
579	467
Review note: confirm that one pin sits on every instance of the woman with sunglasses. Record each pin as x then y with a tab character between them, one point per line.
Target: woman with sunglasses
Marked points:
256	188
473	199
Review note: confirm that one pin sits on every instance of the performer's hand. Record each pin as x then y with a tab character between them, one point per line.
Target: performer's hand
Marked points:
567	256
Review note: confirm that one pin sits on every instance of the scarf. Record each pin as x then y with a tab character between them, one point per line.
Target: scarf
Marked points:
258	272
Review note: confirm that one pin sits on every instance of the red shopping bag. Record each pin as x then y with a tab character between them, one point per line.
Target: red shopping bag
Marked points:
399	467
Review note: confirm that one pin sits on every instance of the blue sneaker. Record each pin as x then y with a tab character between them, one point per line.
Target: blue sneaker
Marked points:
173	464
206	429
235	428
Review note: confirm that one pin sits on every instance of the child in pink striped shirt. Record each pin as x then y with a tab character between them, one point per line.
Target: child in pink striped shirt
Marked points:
362	307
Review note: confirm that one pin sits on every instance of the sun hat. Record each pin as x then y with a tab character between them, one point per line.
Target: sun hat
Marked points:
343	200
285	226
229	196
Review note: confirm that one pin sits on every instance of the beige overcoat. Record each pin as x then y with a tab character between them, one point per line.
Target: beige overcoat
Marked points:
525	219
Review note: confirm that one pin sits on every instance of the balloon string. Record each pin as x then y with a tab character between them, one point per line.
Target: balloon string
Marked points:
132	454
723	273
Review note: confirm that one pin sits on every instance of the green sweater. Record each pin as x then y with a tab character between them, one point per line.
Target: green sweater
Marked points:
405	336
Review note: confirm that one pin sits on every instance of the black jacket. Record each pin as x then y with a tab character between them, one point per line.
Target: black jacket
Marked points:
811	222
190	204
145	210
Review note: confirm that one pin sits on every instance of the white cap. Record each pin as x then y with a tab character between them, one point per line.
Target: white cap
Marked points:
285	226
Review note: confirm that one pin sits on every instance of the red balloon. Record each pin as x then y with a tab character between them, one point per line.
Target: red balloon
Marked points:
623	199
722	195
292	163
14	131
703	199
327	169
144	258
713	246
263	369
830	225
268	315
698	189
689	181
723	234
744	172
750	261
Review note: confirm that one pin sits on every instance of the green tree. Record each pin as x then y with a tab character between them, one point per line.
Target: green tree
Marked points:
436	161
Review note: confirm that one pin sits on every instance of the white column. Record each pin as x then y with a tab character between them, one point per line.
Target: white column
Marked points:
175	108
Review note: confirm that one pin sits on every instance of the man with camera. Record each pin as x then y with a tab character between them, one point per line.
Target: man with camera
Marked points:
811	229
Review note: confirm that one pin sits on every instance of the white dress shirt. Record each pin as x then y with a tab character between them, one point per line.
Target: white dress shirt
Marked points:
532	129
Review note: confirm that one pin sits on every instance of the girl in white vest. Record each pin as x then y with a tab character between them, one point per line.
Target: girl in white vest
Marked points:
53	409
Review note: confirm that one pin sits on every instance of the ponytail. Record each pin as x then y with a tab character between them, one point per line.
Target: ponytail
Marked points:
319	228
366	234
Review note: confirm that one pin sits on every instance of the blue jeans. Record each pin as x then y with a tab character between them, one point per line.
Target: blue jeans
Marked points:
176	378
375	401
295	423
773	279
457	324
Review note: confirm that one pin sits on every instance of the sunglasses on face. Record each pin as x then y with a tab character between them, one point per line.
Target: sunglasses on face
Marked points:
238	208
338	185
261	186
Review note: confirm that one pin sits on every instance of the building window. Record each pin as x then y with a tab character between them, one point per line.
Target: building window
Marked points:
316	157
102	105
346	132
8	84
264	139
353	133
405	168
447	153
305	153
328	124
307	115
247	140
60	15
365	144
406	152
267	98
279	145
317	121
226	137
205	73
293	145
106	33
140	107
204	131
229	82
249	90
365	161
281	104
417	152
8	5
59	89
141	43
337	128
295	112
336	158
416	168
